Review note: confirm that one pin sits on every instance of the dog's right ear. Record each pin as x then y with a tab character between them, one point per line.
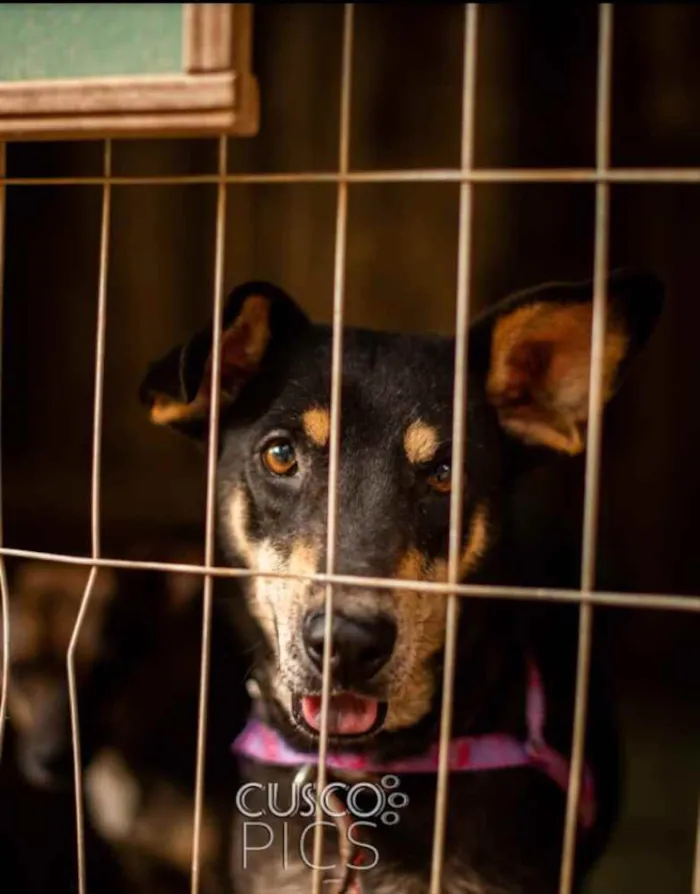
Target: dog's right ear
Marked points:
177	388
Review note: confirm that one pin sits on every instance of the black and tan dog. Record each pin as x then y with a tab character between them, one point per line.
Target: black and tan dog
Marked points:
528	391
137	665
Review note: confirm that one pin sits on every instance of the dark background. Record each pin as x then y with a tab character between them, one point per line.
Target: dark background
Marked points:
536	108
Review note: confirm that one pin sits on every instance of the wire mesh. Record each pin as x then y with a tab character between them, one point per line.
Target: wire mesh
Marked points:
210	531
594	437
335	415
95	509
648	601
459	435
602	176
427	175
4	593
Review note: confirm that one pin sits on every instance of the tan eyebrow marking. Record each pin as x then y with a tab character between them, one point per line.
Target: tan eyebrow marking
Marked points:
475	548
317	425
420	442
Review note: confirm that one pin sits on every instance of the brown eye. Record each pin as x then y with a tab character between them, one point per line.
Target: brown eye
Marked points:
279	458
441	479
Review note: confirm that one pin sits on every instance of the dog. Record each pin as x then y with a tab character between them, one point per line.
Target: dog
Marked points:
137	666
44	602
38	803
528	394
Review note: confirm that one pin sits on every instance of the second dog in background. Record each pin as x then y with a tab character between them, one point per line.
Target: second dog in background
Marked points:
137	667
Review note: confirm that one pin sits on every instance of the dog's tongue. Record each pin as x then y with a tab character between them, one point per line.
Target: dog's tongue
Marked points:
348	715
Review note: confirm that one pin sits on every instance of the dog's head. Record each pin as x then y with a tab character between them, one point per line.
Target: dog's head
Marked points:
136	651
528	386
44	603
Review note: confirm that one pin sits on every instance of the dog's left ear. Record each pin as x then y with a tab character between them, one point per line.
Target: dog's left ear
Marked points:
533	352
258	316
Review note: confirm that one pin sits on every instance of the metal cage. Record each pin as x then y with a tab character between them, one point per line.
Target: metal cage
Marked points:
602	176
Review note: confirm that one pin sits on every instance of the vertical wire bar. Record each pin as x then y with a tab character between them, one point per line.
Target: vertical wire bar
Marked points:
335	410
4	592
95	505
696	868
210	531
595	430
458	435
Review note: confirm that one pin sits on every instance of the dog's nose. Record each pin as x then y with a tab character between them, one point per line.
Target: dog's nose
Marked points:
360	647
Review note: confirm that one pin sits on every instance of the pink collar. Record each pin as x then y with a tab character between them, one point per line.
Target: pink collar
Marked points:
495	751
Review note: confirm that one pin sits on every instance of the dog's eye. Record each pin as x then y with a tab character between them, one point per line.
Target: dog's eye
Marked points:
441	479
279	458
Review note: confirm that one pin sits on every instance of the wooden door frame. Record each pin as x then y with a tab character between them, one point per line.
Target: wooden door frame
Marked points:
215	93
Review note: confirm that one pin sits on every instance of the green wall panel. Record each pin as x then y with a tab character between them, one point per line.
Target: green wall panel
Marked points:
72	40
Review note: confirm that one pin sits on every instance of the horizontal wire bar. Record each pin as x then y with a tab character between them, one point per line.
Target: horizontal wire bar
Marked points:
616	599
428	175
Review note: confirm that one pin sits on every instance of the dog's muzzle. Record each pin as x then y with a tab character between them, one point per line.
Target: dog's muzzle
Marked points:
360	646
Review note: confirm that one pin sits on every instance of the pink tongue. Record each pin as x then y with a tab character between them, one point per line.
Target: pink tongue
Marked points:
348	715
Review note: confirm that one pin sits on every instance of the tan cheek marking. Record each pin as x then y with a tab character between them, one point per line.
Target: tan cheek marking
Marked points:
266	558
426	612
414	567
263	556
473	552
304	559
238	523
411	566
420	442
477	543
258	557
317	425
278	604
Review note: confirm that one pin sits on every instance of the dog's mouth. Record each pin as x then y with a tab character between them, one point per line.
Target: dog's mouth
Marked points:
350	716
